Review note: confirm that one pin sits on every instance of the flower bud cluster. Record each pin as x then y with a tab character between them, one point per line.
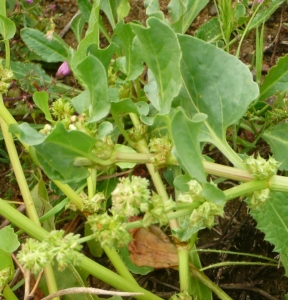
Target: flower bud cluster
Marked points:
62	110
46	129
6	77
137	133
35	255
157	212
162	148
258	198
131	196
93	205
203	215
260	168
5	275
103	148
109	230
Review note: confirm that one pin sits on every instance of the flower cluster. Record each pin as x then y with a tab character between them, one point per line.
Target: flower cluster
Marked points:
6	77
258	198
137	133
93	205
5	276
103	148
260	168
109	230
62	110
35	255
131	196
162	148
203	215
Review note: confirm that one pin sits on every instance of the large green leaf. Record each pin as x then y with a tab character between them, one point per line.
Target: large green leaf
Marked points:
7	28
185	134
218	85
132	61
272	220
183	12
161	52
50	51
276	80
277	138
41	99
93	74
8	240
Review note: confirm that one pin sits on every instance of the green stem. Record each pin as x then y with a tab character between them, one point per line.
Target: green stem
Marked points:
70	193
184	272
238	263
211	285
8	293
119	264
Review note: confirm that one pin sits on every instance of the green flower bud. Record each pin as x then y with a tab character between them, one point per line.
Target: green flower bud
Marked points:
258	198
162	148
5	275
104	148
95	204
6	77
129	194
260	168
137	133
109	230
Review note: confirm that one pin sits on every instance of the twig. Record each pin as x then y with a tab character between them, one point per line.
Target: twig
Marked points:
239	286
68	26
84	290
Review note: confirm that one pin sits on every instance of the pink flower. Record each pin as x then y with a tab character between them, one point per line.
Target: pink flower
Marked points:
29	1
63	70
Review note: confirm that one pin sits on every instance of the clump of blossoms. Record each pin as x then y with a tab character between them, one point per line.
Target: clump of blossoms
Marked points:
162	148
35	255
131	196
203	215
258	198
260	168
109	230
5	276
62	110
93	205
103	148
6	77
138	132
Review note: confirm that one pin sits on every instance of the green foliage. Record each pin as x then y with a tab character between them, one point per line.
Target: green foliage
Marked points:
153	96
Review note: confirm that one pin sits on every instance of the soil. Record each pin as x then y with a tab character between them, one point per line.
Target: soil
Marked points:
237	230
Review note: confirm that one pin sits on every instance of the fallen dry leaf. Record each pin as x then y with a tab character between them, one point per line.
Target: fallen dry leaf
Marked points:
151	247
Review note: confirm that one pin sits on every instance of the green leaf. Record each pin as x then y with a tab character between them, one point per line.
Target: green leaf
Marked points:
7	28
217	84
8	240
272	220
209	30
109	8
123	9
81	102
94	246
104	55
267	11
91	37
276	80
133	61
30	76
77	26
185	135
50	51
183	13
85	7
58	151
181	183
277	138
41	100
125	255
125	149
92	72
161	52
28	134
153	9
127	105
41	201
